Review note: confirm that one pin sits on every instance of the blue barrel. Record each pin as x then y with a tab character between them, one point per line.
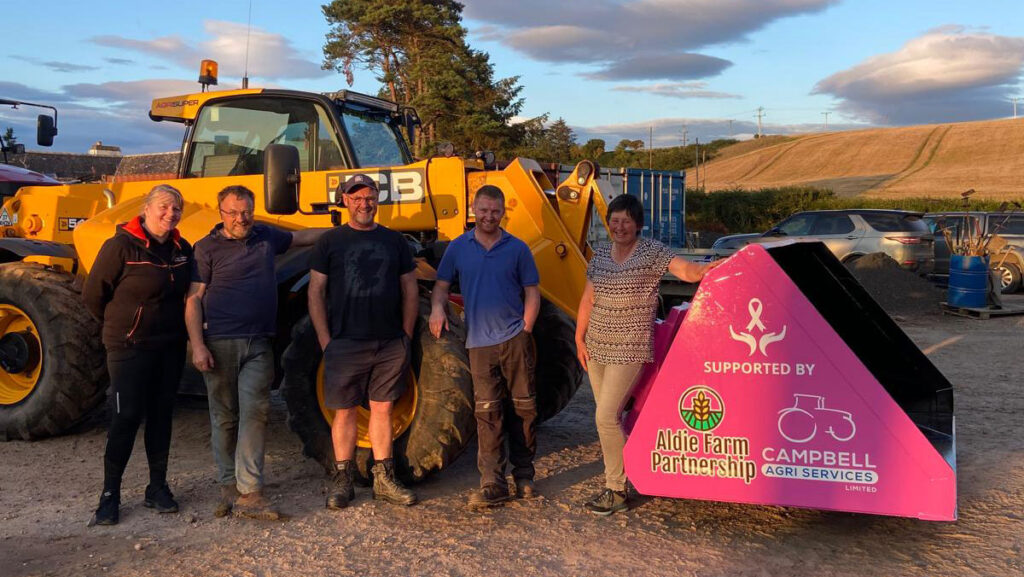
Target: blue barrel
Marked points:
968	281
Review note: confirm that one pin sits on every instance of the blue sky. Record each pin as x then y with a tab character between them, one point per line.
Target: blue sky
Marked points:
611	68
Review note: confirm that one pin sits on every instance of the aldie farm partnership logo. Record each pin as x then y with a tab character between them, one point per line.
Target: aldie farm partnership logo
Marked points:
701	408
696	451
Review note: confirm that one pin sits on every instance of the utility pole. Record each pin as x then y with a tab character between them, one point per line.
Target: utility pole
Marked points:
650	148
730	128
760	114
826	120
684	135
1015	99
696	161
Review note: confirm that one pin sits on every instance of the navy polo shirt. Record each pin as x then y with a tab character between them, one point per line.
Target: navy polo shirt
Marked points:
492	284
241	288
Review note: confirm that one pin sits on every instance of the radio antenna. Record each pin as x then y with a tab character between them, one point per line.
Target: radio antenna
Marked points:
248	32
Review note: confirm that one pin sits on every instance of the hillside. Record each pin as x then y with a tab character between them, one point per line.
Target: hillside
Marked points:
939	160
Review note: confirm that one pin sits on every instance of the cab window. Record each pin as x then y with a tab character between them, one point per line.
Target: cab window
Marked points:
229	137
375	139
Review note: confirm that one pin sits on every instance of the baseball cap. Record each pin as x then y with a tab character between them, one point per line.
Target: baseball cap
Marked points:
357	181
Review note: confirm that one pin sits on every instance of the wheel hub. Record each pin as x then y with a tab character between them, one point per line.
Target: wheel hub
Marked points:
17	351
21	355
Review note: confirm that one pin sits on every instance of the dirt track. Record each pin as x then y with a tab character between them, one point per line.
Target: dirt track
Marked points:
49	488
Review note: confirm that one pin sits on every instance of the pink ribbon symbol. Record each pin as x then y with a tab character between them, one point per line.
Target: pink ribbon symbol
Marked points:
754	307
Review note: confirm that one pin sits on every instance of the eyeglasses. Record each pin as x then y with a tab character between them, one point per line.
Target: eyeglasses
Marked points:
363	199
234	214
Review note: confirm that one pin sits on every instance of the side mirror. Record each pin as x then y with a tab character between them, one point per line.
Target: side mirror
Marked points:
46	129
281	177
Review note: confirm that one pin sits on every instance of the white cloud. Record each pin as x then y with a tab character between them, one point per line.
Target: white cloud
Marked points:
947	74
678	90
56	65
618	36
114	112
270	55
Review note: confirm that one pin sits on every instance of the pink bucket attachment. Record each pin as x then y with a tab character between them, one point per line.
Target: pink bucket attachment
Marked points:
786	384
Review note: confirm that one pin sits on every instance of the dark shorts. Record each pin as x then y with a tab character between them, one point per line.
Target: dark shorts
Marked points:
355	371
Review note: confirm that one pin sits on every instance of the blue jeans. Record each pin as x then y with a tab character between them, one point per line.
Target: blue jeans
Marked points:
238	389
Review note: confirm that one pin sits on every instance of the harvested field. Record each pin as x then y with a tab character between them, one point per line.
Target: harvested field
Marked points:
48	490
936	161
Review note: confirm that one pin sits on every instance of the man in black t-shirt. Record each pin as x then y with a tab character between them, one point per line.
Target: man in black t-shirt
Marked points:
363	302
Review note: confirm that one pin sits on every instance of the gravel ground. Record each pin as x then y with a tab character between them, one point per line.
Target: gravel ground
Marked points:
49	488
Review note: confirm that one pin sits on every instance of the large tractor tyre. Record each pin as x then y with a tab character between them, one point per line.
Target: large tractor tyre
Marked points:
434	420
52	363
558	374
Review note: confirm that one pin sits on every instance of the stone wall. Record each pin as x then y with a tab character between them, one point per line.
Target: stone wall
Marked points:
66	166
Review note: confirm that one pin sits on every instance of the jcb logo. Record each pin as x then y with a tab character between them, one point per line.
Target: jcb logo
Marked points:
396	186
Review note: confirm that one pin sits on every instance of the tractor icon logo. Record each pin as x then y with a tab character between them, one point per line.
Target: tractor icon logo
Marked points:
701	408
800	423
760	343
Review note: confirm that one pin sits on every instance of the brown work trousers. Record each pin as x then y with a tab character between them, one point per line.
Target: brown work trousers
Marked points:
505	398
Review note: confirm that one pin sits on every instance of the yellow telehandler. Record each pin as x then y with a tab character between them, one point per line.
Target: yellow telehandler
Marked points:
293	149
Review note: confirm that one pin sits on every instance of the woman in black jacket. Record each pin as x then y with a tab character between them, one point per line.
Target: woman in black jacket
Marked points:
137	289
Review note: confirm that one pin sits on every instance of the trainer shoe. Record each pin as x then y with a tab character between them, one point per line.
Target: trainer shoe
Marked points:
488	496
525	489
607	502
387	488
161	499
342	485
228	495
108	511
255	506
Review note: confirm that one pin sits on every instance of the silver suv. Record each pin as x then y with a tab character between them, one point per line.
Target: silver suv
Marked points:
851	234
1006	246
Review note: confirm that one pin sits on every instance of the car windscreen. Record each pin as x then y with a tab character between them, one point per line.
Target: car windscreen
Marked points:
895	222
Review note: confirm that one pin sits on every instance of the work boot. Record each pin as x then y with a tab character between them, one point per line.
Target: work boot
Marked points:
607	502
525	489
387	488
255	506
228	495
488	496
160	498
108	511
342	489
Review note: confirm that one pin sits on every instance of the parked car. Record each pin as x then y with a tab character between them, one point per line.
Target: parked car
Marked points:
851	234
1007	245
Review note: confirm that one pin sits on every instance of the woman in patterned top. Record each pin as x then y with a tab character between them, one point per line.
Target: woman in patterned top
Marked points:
614	329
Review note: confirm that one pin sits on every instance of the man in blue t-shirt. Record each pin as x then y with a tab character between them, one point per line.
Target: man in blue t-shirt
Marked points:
231	315
498	278
363	302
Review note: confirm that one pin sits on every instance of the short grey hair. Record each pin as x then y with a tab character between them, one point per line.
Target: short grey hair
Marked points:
161	190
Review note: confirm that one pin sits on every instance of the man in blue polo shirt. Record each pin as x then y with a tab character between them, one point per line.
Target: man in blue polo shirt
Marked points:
498	279
231	315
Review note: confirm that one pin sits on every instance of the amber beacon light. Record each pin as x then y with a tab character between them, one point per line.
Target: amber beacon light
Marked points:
208	73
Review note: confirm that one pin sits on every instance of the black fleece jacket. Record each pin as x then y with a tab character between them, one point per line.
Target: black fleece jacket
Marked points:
137	287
